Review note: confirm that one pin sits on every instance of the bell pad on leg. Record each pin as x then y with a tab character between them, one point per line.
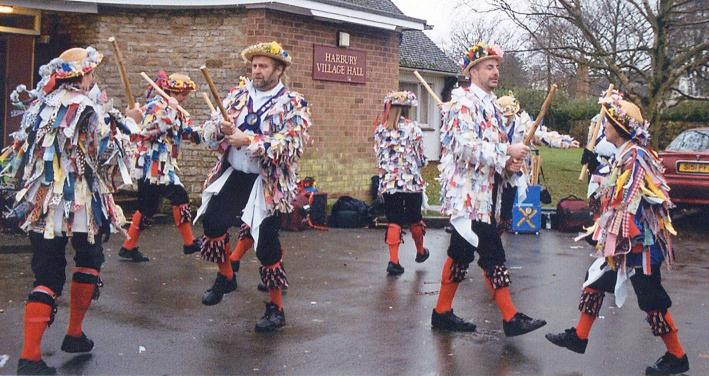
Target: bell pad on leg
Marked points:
215	249
658	323
591	302
458	271
499	276
273	276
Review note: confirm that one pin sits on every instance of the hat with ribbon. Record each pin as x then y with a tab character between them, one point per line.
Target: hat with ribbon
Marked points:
270	49
480	52
401	98
625	117
508	103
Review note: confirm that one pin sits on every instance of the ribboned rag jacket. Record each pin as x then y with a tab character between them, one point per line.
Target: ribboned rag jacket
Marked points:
400	157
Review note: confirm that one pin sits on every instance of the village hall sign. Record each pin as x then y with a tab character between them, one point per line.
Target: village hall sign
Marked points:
339	64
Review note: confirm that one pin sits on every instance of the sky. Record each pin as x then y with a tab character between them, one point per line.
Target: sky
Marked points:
438	13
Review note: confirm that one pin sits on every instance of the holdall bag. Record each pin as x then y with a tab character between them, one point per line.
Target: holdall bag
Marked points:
349	212
573	214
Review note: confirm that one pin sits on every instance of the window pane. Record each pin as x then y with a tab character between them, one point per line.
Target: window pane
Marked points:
423	105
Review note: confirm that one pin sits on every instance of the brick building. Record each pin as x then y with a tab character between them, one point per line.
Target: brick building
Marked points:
182	35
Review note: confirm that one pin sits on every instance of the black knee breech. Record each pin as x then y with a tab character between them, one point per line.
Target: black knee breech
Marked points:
403	208
648	288
150	195
49	258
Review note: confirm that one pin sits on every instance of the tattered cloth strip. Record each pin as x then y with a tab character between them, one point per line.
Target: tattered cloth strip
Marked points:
591	302
458	271
499	276
274	276
185	214
658	323
215	249
400	157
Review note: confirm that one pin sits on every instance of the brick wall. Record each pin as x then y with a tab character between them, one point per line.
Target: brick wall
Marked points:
340	157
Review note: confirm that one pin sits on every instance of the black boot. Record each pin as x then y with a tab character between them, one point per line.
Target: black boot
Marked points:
394	269
220	287
423	256
669	364
77	344
451	322
521	324
29	367
568	339
273	319
133	254
192	248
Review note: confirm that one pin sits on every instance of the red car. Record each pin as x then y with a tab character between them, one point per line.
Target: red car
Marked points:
686	162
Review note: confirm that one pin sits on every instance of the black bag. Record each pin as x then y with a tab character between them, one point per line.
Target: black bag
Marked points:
572	214
349	212
318	209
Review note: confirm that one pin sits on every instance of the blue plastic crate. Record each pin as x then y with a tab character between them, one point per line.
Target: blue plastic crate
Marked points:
527	215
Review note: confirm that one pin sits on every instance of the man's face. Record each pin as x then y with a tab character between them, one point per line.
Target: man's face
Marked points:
486	74
611	134
265	73
181	97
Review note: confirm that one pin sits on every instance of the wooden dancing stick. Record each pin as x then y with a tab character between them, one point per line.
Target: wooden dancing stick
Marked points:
428	88
545	106
209	103
122	71
162	92
591	142
215	94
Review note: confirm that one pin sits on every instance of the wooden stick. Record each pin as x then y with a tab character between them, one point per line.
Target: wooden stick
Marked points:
209	103
215	94
591	143
545	106
428	88
162	92
122	71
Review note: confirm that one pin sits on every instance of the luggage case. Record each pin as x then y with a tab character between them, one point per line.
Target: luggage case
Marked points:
572	214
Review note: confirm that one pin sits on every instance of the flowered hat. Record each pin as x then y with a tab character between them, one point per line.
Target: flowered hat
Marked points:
508	103
76	62
401	98
479	52
271	49
176	82
625	117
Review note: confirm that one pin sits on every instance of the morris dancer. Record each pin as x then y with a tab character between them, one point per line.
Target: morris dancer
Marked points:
398	145
163	129
476	161
261	145
66	156
633	236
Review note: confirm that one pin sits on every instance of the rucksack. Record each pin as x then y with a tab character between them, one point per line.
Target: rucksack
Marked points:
349	212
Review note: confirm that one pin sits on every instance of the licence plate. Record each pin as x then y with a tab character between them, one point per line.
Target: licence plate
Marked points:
693	167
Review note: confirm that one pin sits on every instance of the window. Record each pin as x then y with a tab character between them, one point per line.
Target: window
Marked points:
420	113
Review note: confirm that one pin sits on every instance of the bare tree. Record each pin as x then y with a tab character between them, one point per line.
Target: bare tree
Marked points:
645	46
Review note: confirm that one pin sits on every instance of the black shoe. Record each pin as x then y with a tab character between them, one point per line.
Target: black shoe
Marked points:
133	254
668	364
261	287
568	339
77	344
273	319
449	321
394	269
192	248
521	324
29	367
220	287
423	256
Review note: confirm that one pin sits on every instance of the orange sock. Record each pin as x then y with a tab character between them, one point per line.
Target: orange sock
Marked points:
583	328
448	289
225	267
81	294
276	296
184	228
242	246
671	339
393	238
36	318
502	299
417	230
133	231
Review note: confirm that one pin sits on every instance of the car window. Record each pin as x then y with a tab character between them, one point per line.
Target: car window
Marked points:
692	140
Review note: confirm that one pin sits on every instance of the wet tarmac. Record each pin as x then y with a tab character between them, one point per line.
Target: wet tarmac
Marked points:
346	317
